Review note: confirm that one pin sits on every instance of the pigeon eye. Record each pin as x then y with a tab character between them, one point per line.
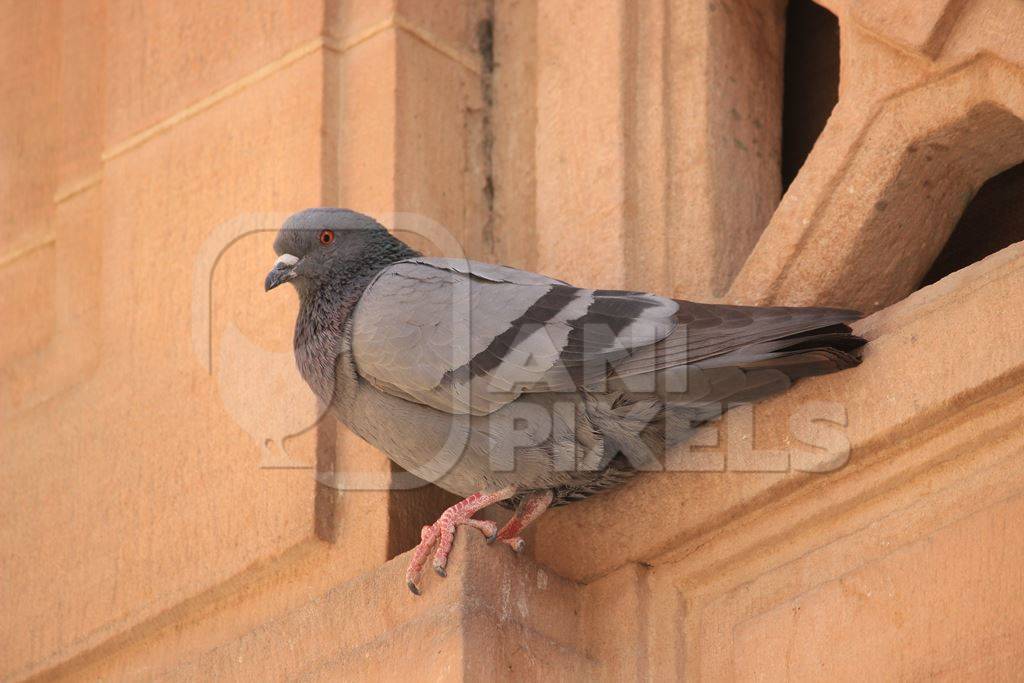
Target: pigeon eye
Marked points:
326	236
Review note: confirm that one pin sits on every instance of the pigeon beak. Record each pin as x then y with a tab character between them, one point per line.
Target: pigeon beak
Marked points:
283	271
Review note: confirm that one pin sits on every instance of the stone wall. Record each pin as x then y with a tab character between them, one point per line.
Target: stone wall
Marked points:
167	493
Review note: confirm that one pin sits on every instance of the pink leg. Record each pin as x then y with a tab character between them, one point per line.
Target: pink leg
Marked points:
442	532
530	508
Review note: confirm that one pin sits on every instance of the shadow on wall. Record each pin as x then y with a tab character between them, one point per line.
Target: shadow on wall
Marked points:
810	81
992	221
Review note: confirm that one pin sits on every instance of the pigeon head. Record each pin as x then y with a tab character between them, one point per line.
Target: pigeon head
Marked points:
319	247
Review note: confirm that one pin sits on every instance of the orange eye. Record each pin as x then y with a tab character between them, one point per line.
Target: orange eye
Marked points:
326	236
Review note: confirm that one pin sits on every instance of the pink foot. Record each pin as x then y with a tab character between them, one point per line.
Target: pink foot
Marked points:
530	508
442	533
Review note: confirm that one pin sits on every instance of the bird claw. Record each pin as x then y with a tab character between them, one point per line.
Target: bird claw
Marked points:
442	533
488	528
438	537
517	544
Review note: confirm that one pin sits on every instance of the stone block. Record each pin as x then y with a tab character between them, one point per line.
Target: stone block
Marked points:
513	120
164	58
452	26
886	611
920	26
67	284
495	615
350	22
29	131
862	233
579	154
82	93
681	101
153	427
28	302
362	112
438	142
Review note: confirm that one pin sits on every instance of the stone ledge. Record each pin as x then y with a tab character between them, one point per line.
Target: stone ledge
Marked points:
495	614
931	356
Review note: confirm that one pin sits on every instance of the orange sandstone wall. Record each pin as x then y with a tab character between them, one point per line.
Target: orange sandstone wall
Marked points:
169	502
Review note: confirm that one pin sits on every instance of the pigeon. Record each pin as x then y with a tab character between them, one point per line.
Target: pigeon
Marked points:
507	387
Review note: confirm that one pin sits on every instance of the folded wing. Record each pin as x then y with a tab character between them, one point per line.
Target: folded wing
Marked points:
467	337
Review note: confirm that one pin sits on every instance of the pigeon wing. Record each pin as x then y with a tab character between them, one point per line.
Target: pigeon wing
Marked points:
467	337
